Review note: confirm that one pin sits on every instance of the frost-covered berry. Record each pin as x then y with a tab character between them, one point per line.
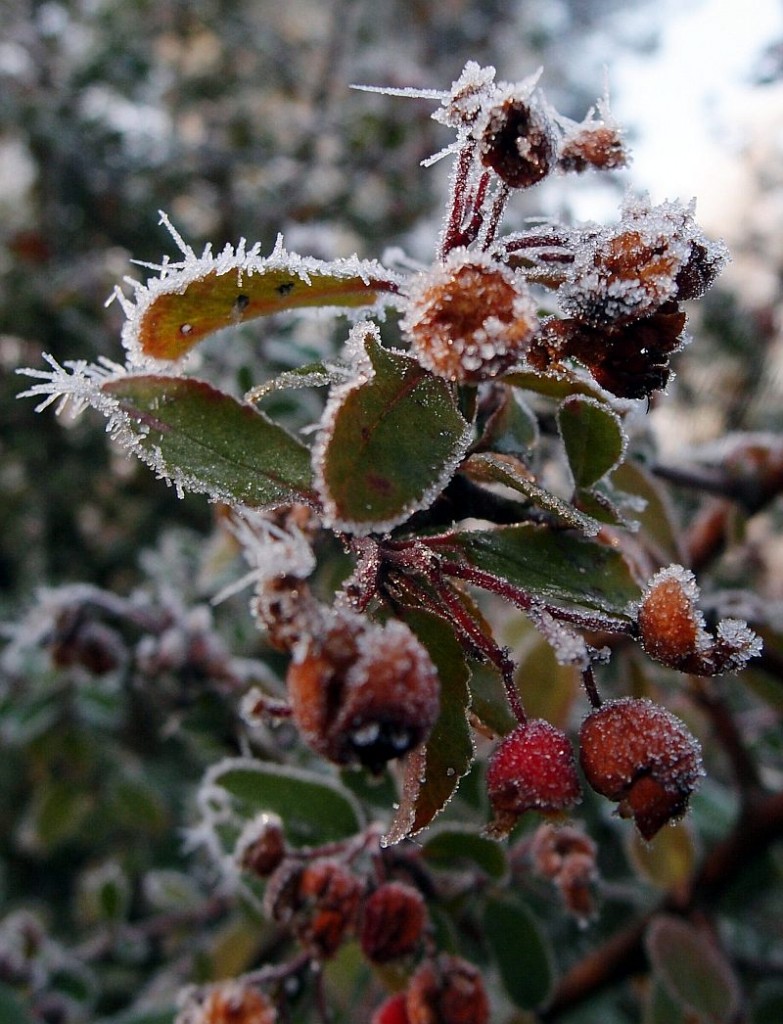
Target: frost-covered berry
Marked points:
470	318
518	140
533	769
639	755
592	144
393	920
447	990
363	693
672	629
229	1002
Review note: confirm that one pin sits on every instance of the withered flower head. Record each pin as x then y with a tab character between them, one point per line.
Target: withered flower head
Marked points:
470	318
627	272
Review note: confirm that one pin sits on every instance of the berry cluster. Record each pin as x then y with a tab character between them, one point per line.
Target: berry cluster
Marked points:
427	472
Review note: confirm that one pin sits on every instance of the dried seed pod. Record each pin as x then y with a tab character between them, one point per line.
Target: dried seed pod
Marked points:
393	920
533	768
470	318
671	627
364	693
86	642
227	1002
518	140
567	857
639	755
447	990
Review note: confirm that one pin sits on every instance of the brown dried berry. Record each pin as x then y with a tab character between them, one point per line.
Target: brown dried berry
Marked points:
328	905
229	1002
261	846
518	141
392	922
533	769
363	692
447	990
567	857
470	319
638	754
592	144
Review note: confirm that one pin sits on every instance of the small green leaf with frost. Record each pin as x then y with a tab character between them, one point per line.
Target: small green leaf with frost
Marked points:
206	440
314	808
557	567
391	439
593	438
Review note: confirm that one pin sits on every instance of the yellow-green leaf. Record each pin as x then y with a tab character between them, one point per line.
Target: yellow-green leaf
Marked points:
193	299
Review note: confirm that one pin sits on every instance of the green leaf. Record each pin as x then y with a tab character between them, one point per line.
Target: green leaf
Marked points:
390	442
433	770
206	440
179	310
521	951
695	973
660	1008
489	701
56	816
512	429
593	438
550	385
548	689
11	1010
658	520
451	847
556	567
488	467
668	859
314	808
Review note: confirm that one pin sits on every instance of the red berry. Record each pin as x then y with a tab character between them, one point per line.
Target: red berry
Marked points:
392	922
447	990
392	1011
638	754
533	769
